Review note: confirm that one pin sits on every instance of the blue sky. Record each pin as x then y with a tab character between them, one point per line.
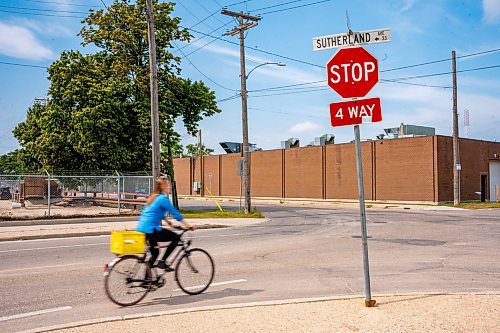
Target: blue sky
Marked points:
422	31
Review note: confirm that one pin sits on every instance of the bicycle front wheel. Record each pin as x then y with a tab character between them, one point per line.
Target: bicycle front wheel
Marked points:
127	281
194	271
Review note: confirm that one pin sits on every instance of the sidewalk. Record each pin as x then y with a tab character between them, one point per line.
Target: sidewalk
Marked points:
404	313
75	228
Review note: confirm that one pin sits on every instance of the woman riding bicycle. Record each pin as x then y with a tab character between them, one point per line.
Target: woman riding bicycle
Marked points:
150	223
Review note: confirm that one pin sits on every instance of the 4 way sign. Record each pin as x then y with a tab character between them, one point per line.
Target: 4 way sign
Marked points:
359	111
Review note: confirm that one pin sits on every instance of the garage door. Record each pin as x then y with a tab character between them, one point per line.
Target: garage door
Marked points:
494	180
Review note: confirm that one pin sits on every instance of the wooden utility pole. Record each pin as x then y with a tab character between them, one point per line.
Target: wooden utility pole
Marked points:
244	25
202	167
155	118
456	157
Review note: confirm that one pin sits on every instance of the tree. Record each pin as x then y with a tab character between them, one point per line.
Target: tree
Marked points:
194	150
10	163
98	113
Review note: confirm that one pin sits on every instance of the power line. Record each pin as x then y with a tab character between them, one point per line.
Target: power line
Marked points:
415	84
39	14
443	73
43	10
279	5
258	50
208	78
291	93
205	9
287	86
63	3
198	39
305	5
23	65
442	60
238	3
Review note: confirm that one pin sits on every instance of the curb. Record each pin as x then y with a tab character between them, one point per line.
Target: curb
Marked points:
69	220
234	306
88	234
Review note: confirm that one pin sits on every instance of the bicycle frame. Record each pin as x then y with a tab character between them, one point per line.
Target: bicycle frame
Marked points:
183	246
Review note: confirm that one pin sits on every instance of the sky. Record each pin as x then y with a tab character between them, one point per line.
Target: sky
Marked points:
292	100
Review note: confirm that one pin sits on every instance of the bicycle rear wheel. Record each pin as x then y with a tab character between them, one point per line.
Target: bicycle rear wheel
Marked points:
125	280
194	271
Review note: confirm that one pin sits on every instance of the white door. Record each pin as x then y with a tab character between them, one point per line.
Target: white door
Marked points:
494	180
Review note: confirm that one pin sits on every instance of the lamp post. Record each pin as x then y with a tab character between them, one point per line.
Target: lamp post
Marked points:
246	151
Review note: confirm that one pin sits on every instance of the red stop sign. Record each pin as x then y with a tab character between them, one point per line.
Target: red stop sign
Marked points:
352	72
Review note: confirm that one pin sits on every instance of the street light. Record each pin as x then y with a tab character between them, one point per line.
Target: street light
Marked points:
263	64
246	161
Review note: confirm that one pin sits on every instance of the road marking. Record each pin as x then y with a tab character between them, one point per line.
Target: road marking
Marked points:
35	313
215	284
52	247
39	267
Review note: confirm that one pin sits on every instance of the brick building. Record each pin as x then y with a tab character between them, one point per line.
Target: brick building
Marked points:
405	169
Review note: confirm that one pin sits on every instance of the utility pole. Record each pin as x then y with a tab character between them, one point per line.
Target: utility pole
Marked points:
456	158
155	119
250	22
202	169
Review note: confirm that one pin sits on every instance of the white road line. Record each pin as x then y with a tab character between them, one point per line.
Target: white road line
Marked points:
53	247
216	284
35	313
41	267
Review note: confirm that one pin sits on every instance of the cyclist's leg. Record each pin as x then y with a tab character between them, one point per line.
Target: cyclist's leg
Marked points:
153	243
166	235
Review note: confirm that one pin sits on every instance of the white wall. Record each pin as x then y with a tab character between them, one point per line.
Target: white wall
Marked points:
494	178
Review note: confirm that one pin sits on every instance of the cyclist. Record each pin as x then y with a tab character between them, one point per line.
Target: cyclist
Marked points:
150	223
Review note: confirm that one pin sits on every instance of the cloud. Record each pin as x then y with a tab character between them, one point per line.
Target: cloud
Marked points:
44	28
304	127
407	5
491	9
19	42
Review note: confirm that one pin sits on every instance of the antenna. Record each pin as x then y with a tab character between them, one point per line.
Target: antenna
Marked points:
348	23
466	123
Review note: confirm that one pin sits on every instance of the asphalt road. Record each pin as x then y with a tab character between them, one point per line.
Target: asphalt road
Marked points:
303	251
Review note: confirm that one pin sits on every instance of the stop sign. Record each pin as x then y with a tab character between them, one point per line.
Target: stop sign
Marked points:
352	72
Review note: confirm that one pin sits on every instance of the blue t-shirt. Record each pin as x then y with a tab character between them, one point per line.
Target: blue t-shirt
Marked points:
154	213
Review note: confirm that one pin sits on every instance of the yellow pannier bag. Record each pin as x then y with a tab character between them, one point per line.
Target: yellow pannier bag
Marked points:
127	242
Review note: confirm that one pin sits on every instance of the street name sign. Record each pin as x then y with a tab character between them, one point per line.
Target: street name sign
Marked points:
351	39
359	111
352	72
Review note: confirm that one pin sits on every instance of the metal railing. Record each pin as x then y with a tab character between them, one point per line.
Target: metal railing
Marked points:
113	189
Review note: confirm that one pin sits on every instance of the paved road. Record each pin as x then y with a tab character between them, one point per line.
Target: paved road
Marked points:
303	251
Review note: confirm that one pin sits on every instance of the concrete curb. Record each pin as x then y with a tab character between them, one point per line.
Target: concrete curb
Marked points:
69	220
86	234
235	306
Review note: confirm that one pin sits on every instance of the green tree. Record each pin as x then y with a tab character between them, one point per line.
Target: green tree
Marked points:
98	114
11	163
194	150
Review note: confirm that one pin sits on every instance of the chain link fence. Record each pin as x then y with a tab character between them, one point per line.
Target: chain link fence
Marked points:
51	192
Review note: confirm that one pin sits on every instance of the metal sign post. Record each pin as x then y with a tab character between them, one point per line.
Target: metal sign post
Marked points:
369	302
352	72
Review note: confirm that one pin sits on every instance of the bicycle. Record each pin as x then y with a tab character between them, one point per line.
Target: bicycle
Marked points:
128	278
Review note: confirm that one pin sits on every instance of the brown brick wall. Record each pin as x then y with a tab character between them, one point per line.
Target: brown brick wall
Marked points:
303	173
474	158
341	171
408	169
230	182
182	169
211	174
266	167
404	169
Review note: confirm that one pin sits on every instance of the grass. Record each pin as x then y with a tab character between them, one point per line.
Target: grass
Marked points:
473	205
207	214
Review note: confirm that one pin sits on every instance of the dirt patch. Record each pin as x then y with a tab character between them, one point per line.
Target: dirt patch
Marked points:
61	210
